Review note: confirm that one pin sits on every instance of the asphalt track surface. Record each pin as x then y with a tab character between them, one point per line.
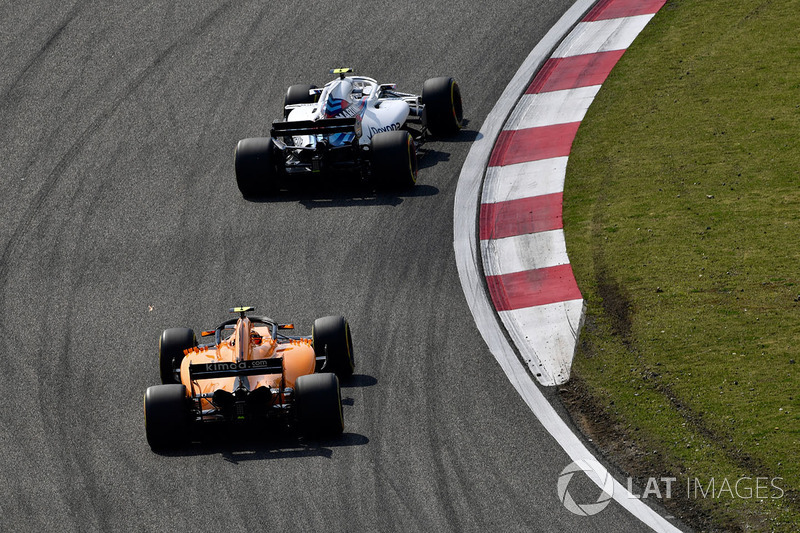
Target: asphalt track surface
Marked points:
121	218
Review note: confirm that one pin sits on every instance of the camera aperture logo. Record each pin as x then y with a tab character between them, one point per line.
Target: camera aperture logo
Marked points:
598	474
744	487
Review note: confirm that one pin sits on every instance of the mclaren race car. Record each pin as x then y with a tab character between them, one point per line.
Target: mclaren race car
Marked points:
352	126
250	373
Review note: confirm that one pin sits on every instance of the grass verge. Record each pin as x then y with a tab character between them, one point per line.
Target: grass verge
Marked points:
682	214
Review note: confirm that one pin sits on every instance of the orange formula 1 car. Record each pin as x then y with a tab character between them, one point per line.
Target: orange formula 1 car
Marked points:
250	373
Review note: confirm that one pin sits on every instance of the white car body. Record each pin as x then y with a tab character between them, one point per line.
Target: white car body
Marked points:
377	108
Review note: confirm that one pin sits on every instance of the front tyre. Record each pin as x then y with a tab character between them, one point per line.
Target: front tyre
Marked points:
166	416
318	404
298	94
394	159
444	111
331	337
171	346
256	171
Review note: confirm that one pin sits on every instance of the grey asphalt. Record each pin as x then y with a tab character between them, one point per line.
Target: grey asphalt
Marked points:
120	217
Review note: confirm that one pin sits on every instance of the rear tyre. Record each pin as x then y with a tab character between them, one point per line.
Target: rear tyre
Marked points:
394	159
318	401
298	94
444	111
331	337
166	416
256	172
171	345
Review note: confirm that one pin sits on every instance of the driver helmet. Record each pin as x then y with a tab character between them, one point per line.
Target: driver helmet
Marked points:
338	97
255	338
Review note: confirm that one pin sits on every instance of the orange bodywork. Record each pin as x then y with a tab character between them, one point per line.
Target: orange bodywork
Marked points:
248	342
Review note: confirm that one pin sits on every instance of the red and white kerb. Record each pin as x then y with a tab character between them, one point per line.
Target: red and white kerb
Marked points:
523	250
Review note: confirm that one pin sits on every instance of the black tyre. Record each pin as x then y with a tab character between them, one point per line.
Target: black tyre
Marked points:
166	416
171	345
331	337
256	171
298	94
394	159
318	404
444	111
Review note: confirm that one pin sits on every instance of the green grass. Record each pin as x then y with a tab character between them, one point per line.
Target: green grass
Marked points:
682	215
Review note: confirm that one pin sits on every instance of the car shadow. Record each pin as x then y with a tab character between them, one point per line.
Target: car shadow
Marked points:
298	448
428	157
239	444
292	448
359	380
347	195
463	135
467	136
355	381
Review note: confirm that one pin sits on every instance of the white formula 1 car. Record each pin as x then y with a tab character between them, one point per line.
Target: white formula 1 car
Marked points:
352	126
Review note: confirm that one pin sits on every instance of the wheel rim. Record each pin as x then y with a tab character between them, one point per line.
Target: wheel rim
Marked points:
455	103
412	159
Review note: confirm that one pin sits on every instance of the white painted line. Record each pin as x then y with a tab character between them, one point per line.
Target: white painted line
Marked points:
555	107
602	36
523	180
466	249
524	252
541	328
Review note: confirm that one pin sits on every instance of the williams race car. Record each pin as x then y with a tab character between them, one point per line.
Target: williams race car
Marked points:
352	126
250	374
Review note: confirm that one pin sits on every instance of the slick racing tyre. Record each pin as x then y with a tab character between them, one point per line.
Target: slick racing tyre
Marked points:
443	109
171	345
256	173
166	416
394	160
298	94
331	338
318	404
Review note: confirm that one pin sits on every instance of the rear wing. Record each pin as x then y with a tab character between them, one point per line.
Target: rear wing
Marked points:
327	126
273	365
